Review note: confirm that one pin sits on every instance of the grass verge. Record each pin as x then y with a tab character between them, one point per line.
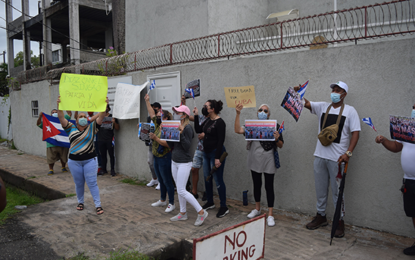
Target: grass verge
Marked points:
16	197
133	181
117	255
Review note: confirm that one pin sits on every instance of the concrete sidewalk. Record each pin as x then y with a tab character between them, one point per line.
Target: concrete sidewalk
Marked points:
129	222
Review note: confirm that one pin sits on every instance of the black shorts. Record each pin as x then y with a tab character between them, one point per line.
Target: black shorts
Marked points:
409	198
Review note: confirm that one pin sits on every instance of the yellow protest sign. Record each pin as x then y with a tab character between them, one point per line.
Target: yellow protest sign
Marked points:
240	95
83	92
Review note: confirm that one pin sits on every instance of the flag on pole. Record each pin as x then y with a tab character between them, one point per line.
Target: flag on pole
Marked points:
53	132
191	92
368	121
282	128
302	90
152	86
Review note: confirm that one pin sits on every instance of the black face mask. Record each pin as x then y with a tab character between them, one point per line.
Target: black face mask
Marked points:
158	121
204	111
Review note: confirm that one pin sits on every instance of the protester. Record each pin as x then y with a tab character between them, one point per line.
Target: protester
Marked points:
408	166
3	199
82	156
162	159
150	158
105	139
329	158
261	160
181	164
215	129
55	153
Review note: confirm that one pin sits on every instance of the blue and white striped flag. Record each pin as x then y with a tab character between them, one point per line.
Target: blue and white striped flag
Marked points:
191	92
152	86
302	90
368	121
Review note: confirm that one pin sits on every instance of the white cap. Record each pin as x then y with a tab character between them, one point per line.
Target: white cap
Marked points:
342	85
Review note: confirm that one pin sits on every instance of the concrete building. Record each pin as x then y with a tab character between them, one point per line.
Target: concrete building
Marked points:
372	53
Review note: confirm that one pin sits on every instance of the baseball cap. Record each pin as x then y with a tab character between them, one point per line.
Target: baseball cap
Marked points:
342	85
156	104
183	109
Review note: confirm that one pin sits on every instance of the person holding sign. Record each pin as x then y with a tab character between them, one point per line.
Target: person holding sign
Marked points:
82	156
339	127
215	130
162	158
408	166
261	160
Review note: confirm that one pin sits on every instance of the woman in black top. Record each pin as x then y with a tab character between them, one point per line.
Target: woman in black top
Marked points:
214	128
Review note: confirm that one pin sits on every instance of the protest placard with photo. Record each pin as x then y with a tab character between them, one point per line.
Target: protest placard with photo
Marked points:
402	128
195	85
170	131
144	131
292	103
260	130
107	122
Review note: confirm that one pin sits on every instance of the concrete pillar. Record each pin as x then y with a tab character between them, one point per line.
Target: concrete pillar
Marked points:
108	39
10	46
64	53
26	37
74	31
47	35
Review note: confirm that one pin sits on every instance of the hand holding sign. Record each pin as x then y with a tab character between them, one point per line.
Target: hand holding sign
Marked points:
240	95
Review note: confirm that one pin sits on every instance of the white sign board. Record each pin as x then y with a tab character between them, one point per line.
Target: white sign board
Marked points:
127	101
112	86
245	240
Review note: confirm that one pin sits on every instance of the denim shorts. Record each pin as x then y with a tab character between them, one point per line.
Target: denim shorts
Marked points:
197	159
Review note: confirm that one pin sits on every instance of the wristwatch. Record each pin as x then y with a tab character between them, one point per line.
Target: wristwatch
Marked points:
349	154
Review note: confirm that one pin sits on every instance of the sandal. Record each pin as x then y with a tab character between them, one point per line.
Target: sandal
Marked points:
100	211
80	206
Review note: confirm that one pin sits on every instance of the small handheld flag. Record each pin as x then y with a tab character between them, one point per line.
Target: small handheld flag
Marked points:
282	128
303	88
368	121
191	92
152	86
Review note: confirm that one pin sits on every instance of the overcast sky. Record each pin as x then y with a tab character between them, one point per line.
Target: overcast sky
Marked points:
18	46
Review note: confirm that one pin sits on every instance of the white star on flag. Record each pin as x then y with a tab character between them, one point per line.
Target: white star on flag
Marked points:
48	129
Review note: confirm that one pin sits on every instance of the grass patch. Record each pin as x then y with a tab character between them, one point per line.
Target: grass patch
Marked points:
118	255
3	140
13	146
70	195
16	197
133	182
80	256
31	177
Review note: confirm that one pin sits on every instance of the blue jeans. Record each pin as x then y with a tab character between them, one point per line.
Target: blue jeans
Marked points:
208	163
162	167
98	154
85	171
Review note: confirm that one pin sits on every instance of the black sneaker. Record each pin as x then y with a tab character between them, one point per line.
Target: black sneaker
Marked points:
222	212
195	195
113	173
204	196
409	250
209	205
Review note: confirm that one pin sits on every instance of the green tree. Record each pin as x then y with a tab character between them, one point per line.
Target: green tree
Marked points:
4	90
34	60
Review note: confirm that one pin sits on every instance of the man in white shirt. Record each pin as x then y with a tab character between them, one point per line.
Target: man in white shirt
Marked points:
328	158
408	166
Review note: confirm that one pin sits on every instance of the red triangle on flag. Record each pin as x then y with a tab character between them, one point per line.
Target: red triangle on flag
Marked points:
49	130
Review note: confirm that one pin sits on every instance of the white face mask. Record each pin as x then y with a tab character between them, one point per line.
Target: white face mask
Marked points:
177	117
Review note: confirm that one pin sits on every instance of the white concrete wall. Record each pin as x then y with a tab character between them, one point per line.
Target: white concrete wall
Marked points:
4	117
380	78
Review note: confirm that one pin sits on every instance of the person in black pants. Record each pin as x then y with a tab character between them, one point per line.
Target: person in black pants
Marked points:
105	137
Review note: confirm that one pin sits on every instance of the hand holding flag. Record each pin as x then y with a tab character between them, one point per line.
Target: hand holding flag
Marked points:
282	128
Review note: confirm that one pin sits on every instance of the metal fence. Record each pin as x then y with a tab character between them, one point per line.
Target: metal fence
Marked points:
395	18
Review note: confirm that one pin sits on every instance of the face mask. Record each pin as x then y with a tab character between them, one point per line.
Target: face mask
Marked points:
82	121
413	113
177	117
204	111
262	115
158	121
55	114
335	97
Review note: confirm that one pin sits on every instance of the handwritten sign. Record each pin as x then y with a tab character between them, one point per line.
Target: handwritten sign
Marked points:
83	92
127	101
240	95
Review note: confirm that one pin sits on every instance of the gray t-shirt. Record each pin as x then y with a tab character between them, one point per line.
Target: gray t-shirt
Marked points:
181	150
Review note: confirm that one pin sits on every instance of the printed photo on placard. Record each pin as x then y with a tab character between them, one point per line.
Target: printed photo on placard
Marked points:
107	123
170	131
195	85
402	128
145	130
260	130
292	103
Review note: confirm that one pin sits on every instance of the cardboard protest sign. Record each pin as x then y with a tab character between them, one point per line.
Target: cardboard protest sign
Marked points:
83	92
145	130
195	85
240	95
292	103
170	131
107	123
260	130
402	128
127	101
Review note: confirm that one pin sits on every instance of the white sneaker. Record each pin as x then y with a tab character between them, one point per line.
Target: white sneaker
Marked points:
201	218
270	221
159	203
254	213
179	217
158	186
170	208
152	183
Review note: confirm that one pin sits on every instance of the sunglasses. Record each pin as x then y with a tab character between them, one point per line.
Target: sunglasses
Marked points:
265	110
413	107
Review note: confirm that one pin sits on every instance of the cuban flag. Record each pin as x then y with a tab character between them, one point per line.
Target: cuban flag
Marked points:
53	132
302	90
191	92
282	128
368	121
152	86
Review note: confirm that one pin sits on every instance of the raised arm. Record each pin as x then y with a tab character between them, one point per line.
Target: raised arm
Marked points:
94	117
238	128
101	115
39	119
61	116
149	108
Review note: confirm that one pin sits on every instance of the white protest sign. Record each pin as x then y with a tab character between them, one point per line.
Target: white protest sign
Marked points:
127	101
245	240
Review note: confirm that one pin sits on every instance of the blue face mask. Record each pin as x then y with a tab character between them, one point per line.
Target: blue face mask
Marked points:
55	114
262	115
413	113
82	121
335	97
